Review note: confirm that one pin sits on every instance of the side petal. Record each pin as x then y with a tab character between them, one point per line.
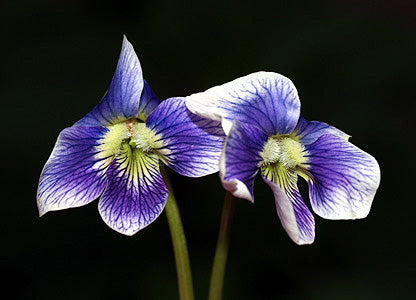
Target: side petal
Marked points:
343	178
266	100
240	159
294	215
191	145
309	131
75	173
136	194
123	96
148	102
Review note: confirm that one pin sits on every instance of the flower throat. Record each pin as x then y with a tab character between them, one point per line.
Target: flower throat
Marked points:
284	149
140	136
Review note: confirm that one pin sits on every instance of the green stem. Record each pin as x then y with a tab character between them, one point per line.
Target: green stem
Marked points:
223	243
183	267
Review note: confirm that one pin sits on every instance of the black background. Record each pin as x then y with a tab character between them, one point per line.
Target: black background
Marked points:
353	65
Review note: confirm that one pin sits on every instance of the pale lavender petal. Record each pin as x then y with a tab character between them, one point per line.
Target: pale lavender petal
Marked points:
343	180
309	131
148	102
266	100
191	145
294	215
240	159
123	96
136	194
75	173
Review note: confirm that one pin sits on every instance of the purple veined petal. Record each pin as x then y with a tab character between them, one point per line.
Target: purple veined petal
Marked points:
136	194
344	179
294	215
266	100
240	159
309	131
121	101
148	102
191	145
75	173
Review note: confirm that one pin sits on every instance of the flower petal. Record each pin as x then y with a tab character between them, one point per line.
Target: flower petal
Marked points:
266	100
240	159
75	173
294	215
136	194
309	131
123	96
343	180
148	102
191	145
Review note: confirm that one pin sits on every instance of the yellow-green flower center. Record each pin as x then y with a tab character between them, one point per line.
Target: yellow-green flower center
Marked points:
284	150
131	132
143	138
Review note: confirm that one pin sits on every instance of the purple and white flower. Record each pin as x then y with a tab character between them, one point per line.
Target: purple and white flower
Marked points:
114	152
260	114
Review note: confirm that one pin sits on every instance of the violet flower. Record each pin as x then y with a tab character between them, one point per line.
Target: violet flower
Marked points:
260	114
114	152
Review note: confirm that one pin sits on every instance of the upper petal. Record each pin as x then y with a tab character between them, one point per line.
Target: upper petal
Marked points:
240	159
309	131
344	179
75	173
136	194
123	96
294	215
191	144
266	100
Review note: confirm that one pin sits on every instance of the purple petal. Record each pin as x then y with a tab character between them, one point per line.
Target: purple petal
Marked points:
309	131
344	179
75	173
294	215
191	145
266	100
136	194
123	96
148	102
240	159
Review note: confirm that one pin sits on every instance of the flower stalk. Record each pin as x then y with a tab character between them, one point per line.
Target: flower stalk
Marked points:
180	248
223	244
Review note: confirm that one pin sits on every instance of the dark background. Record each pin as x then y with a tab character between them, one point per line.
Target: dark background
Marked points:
353	64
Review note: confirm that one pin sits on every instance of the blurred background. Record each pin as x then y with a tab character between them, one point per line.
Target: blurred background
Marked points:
353	63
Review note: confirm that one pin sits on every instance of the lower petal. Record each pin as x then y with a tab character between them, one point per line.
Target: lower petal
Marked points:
75	173
191	144
136	194
343	178
240	159
294	215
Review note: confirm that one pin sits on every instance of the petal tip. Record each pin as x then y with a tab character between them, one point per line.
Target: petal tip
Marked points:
43	208
238	189
125	41
300	242
41	212
298	238
125	231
